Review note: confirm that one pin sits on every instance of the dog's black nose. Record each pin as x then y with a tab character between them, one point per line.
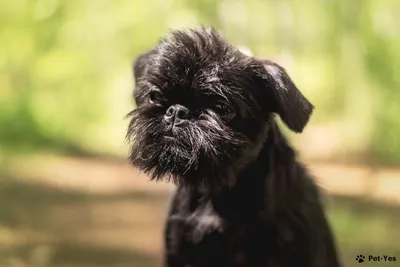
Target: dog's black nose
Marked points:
176	114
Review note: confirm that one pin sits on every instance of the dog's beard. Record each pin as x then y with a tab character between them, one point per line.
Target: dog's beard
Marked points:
202	152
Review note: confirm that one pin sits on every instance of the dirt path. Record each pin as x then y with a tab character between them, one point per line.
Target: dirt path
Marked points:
67	212
117	176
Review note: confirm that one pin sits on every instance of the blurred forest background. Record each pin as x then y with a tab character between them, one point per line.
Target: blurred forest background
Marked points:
67	196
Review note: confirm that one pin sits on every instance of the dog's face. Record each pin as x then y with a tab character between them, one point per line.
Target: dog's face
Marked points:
203	108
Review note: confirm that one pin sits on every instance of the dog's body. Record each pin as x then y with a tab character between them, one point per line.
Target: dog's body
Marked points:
204	120
250	225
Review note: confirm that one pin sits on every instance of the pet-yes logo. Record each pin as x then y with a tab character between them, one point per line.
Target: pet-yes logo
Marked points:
361	258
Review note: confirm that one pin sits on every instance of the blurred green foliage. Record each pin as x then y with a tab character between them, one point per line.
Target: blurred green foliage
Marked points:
65	66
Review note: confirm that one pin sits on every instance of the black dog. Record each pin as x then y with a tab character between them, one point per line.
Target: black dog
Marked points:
205	120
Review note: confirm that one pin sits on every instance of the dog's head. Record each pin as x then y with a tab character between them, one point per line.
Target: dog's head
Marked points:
203	108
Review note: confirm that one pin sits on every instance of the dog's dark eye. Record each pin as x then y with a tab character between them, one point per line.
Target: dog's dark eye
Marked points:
156	97
221	108
224	110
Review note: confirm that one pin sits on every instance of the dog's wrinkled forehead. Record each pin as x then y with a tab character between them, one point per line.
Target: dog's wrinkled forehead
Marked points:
197	59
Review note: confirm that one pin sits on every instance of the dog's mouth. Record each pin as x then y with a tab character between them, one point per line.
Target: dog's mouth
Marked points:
169	138
170	134
187	155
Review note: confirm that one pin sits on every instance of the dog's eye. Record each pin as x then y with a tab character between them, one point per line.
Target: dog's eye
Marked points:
223	110
156	97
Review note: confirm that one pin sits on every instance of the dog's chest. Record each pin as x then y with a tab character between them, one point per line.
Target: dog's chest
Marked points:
203	222
205	238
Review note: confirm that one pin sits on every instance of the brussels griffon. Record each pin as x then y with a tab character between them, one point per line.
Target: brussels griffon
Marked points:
205	120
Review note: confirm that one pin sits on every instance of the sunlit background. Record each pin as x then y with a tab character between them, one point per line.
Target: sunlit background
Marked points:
69	198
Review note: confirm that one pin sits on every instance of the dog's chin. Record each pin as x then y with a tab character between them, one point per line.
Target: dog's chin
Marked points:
194	156
169	159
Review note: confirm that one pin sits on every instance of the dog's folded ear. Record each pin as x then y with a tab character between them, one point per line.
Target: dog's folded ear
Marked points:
140	65
283	97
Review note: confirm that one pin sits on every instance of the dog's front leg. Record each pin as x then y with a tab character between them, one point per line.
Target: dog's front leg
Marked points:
174	256
175	228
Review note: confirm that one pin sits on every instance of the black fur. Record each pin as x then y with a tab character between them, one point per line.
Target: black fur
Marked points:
242	199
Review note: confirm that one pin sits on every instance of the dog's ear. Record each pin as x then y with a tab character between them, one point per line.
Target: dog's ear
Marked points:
140	65
283	97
